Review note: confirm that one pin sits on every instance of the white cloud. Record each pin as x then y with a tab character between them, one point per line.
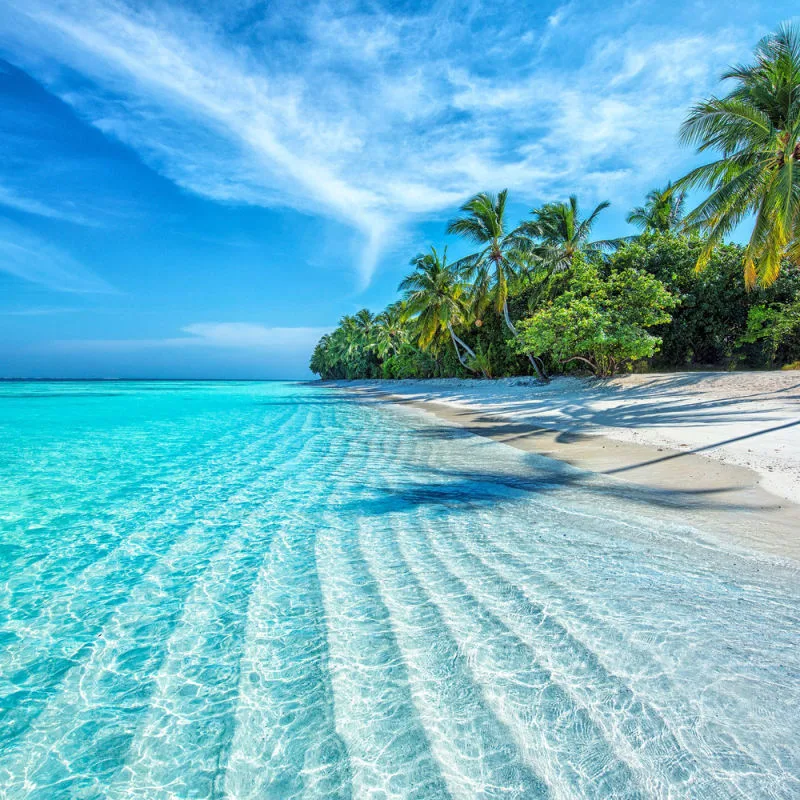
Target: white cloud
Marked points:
609	130
226	335
376	119
27	256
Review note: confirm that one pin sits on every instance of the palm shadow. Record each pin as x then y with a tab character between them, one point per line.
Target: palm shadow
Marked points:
463	491
637	406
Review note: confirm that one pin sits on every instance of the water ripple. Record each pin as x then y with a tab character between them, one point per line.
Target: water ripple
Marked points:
272	591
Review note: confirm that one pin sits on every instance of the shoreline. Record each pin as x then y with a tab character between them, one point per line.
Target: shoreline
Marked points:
729	501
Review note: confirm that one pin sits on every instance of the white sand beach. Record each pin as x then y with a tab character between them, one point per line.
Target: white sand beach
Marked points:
725	446
748	419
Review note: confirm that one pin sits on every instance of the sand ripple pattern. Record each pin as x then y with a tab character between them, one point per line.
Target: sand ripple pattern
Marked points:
239	590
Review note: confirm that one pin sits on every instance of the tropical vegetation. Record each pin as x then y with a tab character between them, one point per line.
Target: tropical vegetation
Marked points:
600	319
756	130
544	296
662	212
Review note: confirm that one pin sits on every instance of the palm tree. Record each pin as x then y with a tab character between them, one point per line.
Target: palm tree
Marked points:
343	345
365	326
436	296
662	211
561	233
391	332
322	362
501	258
350	344
756	128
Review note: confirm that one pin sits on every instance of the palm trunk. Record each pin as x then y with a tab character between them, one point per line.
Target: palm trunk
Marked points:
507	318
456	342
539	370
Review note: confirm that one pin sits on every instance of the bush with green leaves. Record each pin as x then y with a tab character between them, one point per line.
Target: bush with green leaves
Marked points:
777	328
707	327
600	320
411	362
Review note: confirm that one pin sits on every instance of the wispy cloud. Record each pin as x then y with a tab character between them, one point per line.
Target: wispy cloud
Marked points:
30	205
226	335
27	256
554	21
559	15
374	119
39	312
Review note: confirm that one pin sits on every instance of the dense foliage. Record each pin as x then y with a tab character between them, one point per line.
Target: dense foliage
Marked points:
710	319
544	296
601	319
777	328
680	319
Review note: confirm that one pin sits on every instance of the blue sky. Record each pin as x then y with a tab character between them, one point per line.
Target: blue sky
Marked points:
202	189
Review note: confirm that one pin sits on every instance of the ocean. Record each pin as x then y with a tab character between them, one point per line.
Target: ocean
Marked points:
276	590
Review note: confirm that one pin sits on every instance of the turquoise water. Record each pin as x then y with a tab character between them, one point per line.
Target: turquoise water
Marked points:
250	590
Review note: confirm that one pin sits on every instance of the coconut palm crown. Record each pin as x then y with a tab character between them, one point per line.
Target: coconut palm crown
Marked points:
561	232
500	257
391	332
662	211
756	129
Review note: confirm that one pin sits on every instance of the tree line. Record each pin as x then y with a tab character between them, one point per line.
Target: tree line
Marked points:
544	296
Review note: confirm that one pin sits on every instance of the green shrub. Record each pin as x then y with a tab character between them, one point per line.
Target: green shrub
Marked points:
708	326
777	326
599	320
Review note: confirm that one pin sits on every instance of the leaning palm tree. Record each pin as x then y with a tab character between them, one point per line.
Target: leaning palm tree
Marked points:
756	129
560	233
502	256
436	297
662	211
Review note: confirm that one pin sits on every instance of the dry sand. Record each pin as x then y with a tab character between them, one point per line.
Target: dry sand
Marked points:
725	447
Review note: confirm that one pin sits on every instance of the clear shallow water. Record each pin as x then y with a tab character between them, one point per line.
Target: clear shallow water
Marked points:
273	591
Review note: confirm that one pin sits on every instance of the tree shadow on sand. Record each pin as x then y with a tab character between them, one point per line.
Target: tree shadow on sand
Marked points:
460	490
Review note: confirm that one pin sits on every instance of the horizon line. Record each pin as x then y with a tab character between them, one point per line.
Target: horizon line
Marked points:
201	380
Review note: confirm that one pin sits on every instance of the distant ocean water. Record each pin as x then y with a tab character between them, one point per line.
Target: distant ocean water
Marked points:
272	590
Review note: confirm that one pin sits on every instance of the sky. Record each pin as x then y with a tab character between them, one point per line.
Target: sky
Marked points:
200	190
